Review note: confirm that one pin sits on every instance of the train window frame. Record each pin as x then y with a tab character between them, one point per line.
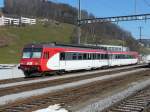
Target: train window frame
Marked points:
85	56
102	56
89	56
74	56
94	56
98	56
106	56
68	56
80	56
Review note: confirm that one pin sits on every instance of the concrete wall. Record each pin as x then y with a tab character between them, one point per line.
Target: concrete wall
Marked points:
10	73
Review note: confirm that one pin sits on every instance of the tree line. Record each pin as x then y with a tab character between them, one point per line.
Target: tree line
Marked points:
43	8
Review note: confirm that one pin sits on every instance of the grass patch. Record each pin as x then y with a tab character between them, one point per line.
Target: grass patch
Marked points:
31	34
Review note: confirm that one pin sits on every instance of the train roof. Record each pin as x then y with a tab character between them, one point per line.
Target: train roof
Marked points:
55	45
84	47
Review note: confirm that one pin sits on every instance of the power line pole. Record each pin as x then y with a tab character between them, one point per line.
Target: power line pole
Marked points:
135	6
140	28
78	27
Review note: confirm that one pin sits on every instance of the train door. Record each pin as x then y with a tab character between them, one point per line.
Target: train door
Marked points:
62	61
55	60
44	62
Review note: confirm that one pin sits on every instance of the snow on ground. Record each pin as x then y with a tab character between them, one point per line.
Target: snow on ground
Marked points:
10	72
52	108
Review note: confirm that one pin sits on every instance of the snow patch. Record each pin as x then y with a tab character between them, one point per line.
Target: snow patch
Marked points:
53	108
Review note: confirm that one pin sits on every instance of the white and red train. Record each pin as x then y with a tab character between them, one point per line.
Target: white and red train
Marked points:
41	58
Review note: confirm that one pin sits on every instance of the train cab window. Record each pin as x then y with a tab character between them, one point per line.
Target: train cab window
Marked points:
36	55
32	52
46	55
26	55
62	56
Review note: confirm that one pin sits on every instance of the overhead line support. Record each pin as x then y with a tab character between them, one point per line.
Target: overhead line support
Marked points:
115	19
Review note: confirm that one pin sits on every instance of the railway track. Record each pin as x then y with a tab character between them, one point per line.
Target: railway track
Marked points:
138	102
7	89
90	72
70	95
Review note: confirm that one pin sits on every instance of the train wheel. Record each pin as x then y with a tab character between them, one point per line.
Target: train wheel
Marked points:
27	74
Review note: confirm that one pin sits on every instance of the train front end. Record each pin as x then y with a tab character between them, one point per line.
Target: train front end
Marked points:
30	62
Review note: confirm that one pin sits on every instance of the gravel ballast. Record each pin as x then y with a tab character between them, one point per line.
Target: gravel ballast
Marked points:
109	101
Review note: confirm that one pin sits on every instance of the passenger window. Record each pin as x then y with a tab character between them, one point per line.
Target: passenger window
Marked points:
74	56
68	56
94	56
85	57
106	56
98	56
80	56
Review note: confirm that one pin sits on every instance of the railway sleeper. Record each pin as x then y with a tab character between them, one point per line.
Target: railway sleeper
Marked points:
12	110
36	103
135	106
132	108
137	99
122	110
131	103
27	106
142	97
20	108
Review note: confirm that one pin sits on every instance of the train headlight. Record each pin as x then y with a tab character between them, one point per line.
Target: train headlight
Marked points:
36	63
29	63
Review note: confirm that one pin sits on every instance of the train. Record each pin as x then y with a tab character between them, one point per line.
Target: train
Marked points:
52	57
